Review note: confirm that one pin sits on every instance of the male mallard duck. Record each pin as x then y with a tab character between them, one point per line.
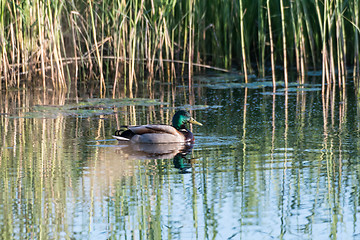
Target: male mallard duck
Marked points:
151	133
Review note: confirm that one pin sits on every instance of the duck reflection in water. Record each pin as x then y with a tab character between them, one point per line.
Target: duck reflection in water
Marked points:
181	162
176	151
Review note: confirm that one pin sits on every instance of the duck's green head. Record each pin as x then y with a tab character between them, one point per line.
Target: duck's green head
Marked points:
181	118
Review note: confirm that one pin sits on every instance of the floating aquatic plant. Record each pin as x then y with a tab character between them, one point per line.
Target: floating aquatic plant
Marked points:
90	107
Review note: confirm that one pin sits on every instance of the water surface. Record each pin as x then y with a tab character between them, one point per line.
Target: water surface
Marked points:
264	166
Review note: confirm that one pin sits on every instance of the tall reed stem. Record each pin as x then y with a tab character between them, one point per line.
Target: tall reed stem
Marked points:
356	42
99	60
284	42
242	32
261	38
271	46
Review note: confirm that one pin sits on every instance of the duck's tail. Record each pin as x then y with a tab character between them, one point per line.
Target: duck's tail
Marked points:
119	138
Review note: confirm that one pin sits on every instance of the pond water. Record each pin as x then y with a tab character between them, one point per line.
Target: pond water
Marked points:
264	165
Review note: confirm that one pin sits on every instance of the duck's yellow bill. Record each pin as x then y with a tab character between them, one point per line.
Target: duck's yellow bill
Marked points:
193	121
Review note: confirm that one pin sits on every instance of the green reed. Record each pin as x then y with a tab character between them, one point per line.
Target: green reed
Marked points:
116	42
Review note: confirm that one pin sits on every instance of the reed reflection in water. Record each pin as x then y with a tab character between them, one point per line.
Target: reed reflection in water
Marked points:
266	165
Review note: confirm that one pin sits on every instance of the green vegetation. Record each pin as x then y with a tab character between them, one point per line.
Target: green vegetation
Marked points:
115	42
